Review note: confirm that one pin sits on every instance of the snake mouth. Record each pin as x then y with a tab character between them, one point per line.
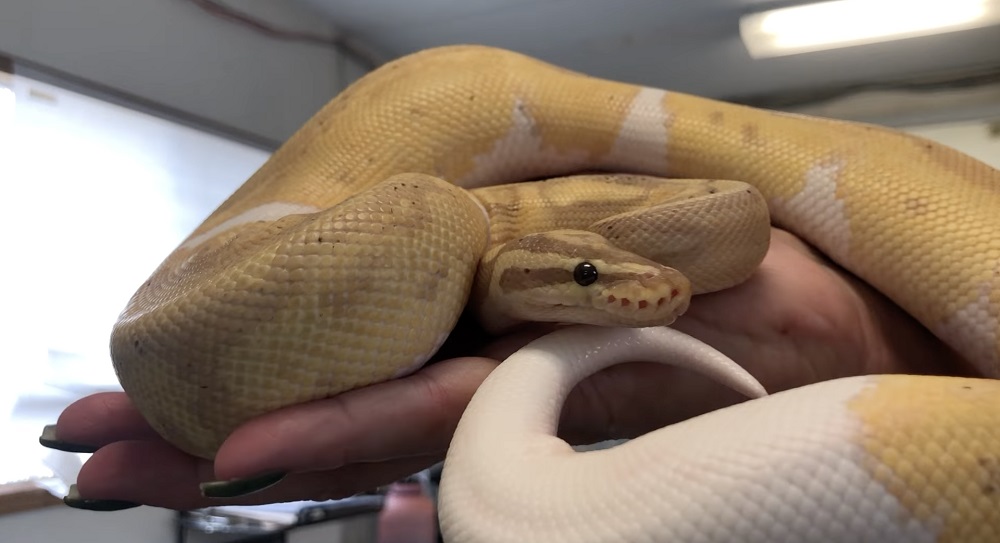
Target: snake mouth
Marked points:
643	303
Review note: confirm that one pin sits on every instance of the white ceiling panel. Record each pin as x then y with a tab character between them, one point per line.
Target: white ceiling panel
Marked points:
686	45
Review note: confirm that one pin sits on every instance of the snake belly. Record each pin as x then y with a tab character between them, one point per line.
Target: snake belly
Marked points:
221	331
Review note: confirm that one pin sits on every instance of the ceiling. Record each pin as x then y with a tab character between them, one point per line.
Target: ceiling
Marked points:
684	45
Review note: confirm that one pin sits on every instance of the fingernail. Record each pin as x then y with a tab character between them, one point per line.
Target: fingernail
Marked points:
240	487
49	439
74	500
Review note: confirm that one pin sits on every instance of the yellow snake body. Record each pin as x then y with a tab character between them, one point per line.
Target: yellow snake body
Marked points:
342	262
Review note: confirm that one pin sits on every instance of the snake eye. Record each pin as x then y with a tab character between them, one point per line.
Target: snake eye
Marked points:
585	274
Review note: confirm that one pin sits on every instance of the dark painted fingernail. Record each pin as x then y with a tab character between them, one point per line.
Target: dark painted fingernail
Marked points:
240	487
74	500
49	439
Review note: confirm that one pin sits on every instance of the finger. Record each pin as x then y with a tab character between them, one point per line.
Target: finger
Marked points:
156	474
412	416
100	419
147	472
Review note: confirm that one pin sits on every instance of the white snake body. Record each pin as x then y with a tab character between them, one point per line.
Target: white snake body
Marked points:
318	276
862	459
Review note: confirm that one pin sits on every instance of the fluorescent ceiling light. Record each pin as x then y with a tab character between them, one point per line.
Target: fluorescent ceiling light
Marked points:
843	23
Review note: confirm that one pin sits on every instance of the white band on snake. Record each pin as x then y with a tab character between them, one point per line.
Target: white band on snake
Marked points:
348	257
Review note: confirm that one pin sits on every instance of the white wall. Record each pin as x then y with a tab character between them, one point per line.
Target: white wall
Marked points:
966	119
173	53
977	138
903	109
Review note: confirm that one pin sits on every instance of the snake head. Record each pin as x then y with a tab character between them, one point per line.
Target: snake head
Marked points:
572	276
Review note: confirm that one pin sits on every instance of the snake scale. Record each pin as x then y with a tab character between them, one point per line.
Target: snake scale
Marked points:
348	257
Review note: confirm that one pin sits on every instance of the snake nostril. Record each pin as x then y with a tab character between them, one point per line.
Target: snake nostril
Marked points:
625	302
675	293
611	298
643	304
661	301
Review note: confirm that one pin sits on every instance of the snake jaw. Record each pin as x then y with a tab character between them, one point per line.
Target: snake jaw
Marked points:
653	298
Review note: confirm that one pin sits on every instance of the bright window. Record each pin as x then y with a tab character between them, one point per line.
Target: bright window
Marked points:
94	196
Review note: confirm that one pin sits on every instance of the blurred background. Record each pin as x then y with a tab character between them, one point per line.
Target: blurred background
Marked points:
123	123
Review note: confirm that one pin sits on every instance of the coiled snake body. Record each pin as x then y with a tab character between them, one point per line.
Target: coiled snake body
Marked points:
345	261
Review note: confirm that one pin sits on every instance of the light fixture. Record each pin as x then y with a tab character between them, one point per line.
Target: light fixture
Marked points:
843	23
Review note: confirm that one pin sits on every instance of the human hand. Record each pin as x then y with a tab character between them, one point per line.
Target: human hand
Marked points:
799	320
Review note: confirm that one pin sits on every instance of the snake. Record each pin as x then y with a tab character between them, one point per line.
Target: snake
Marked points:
473	178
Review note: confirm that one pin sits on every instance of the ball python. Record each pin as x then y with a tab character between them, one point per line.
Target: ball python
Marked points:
354	205
349	256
